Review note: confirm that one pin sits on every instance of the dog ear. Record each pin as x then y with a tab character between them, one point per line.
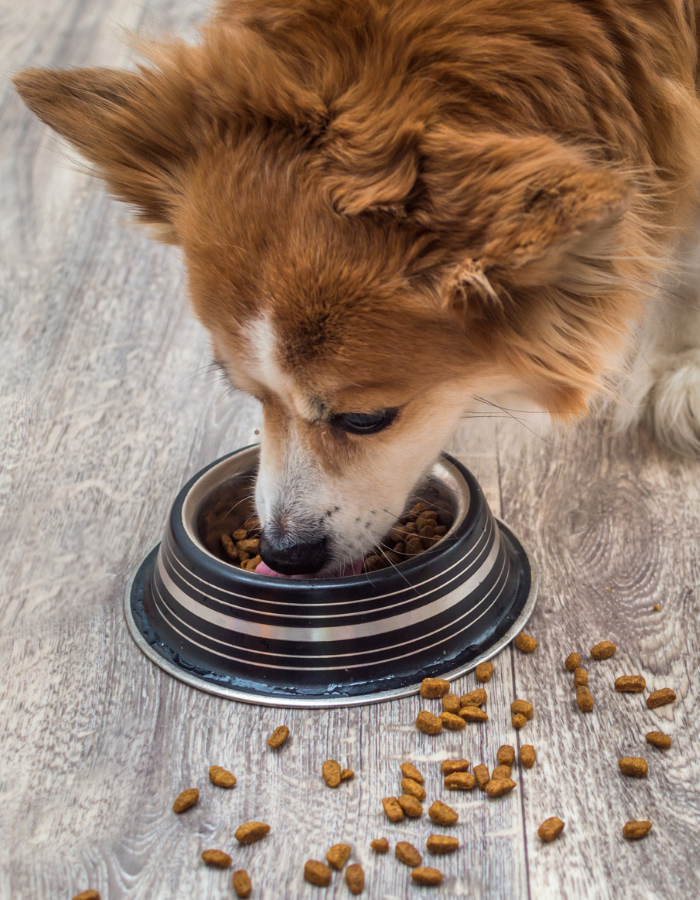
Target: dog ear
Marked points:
132	127
516	210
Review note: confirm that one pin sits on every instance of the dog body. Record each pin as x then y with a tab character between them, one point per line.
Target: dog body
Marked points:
391	210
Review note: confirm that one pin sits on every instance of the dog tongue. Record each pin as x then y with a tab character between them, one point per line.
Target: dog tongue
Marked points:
348	569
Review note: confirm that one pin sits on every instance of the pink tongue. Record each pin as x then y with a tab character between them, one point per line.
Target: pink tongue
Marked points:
348	569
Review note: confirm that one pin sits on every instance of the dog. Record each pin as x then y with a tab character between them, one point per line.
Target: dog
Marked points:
393	209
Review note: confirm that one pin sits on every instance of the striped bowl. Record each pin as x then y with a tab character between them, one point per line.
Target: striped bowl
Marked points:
334	641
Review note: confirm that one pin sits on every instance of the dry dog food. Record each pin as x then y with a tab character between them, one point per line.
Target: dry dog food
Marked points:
411	787
428	723
572	661
87	895
550	829
250	832
241	546
634	766
518	720
603	650
434	688
414	533
506	755
221	777
410	805
584	698
659	739
316	872
451	722
407	854
331	772
499	787
524	707
186	799
380	845
442	814
500	772
393	811
427	875
338	855
528	756
580	678
633	831
525	642
460	781
484	671
481	773
408	770
473	698
633	684
242	884
346	774
355	878
660	698
442	843
278	736
454	765
217	858
451	704
473	714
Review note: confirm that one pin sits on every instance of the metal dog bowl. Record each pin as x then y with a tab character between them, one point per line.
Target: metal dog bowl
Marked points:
334	641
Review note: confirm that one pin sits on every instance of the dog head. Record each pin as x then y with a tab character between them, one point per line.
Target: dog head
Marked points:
366	266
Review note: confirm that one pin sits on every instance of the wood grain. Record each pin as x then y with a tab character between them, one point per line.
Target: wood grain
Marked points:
107	408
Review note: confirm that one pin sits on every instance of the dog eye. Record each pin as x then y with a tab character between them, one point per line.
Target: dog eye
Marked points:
364	423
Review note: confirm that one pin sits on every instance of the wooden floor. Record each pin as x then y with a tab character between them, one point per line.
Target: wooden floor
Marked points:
105	411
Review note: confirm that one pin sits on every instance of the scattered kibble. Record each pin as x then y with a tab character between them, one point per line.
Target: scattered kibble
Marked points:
411	787
499	787
380	845
518	720
572	661
501	771
633	831
442	814
87	895
278	736
524	707
346	774
410	805
633	684
473	698
482	775
603	650
407	854
660	698
427	875
550	829
452	722
584	698
525	642
410	771
656	607
355	878
316	872
185	800
442	843
454	765
506	755
250	832
473	714
580	678
428	723
451	704
434	688
659	739
460	781
242	884
484	671
217	858
633	766
393	811
222	777
338	855
528	756
331	773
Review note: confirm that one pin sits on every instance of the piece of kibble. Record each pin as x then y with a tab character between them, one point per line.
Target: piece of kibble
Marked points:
660	698
633	766
222	777
217	858
87	895
500	772
659	739
407	854
518	720
428	723
499	787
380	845
393	811
346	774
460	781
580	678
482	775
656	607
633	684
338	855
316	872
633	831
584	698
450	703
252	524
473	714
506	755
355	878
603	650
484	671
473	698
452	722
572	661
408	770
250	832
528	756
442	814
410	805
442	843
278	736
427	875
525	642
524	707
454	765
412	788
229	547
240	534
331	773
242	884
185	800
434	688
550	829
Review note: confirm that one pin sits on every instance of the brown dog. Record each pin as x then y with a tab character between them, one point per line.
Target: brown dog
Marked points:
390	209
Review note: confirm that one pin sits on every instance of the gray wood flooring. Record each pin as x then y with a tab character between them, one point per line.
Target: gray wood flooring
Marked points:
106	409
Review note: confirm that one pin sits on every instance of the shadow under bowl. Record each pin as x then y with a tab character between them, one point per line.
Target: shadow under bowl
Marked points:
330	641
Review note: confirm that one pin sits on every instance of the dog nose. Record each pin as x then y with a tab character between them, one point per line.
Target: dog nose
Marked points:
300	558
